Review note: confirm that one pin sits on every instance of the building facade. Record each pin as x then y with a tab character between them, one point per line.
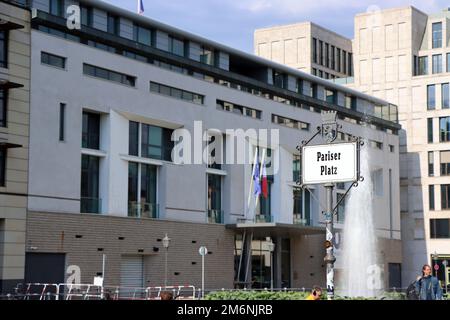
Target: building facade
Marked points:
14	139
401	55
106	100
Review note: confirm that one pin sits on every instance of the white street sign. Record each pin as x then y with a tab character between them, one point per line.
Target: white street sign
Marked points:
330	163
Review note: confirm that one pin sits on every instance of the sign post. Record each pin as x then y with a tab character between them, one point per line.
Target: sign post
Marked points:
203	252
328	164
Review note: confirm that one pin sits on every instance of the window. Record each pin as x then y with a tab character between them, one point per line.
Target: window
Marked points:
344	61
431	97
291	123
296	168
3	107
142	35
314	50
327	55
423	66
333	58
445	96
62	121
86	16
350	102
90	202
350	64
448	62
430	163
207	55
377	178
331	96
437	63
444	129
338	60
430	130
299	88
176	93
341	208
439	228
109	75
3	49
133	139
238	109
431	197
214	201
314	91
156	142
2	167
113	24
91	131
279	80
445	163
53	60
437	35
302	207
321	52
176	46
56	7
445	196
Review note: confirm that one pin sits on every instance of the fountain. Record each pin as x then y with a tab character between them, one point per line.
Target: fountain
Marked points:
359	250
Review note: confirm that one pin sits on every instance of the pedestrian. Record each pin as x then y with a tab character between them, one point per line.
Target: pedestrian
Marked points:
166	296
315	294
427	286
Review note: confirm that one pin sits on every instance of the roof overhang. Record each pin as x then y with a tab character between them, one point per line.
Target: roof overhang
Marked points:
6	25
6	84
274	229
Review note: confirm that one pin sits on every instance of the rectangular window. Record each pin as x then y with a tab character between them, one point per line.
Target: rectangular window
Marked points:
444	129
142	35
448	62
331	96
238	109
113	24
3	107
445	96
2	167
444	163
431	197
53	60
321	52
430	163
142	191
314	91
439	228
133	139
56	7
87	16
333	57
314	50
350	64
445	196
344	61
430	130
302	207
62	121
431	97
350	102
279	79
91	131
176	46
423	66
156	142
296	168
338	60
299	88
177	93
207	55
90	202
133	185
214	201
437	63
3	49
291	123
105	74
437	35
327	55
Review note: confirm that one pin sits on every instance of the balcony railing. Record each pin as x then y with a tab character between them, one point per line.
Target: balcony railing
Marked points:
215	216
143	210
90	205
263	218
300	220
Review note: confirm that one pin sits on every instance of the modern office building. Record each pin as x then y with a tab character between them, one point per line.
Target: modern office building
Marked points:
105	100
14	139
402	55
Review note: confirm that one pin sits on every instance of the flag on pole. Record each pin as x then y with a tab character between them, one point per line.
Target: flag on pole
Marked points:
256	180
140	6
264	186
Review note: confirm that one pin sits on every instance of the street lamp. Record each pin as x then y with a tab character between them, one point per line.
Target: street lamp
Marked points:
271	248
166	242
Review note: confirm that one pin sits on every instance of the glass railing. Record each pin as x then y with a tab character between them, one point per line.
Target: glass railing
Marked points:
215	216
263	218
300	220
347	80
90	205
143	210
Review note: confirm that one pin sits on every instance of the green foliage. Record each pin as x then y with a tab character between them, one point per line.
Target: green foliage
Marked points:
256	295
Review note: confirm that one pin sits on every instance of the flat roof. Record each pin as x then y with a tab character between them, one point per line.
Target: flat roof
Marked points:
276	229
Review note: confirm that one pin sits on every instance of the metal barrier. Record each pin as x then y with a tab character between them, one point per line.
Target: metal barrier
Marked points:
36	291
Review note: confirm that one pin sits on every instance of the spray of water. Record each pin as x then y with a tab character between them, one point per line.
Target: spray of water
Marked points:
359	254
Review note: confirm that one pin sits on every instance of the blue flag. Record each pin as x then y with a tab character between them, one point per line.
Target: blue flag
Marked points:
140	6
256	180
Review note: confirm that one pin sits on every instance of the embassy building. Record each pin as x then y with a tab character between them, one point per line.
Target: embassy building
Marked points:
105	101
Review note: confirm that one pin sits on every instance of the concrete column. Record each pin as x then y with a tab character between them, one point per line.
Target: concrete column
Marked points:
277	263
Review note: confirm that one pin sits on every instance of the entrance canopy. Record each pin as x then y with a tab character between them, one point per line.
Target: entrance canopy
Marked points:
273	229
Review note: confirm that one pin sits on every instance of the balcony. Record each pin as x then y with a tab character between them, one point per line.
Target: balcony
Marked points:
298	219
143	210
263	218
215	216
90	205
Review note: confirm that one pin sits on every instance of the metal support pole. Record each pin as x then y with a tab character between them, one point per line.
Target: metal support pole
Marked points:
165	268
271	271
329	259
103	275
203	276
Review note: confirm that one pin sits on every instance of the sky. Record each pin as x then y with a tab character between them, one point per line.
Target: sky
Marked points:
232	22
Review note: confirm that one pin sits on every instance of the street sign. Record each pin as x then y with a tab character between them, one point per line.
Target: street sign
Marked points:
436	267
330	163
203	251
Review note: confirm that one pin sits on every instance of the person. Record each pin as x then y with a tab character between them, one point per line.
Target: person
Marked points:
315	294
427	286
166	296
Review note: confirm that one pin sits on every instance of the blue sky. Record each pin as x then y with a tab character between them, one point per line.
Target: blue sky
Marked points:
232	22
